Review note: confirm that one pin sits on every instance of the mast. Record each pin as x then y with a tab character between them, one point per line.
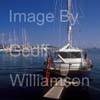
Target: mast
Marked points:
10	39
15	40
69	23
24	37
3	40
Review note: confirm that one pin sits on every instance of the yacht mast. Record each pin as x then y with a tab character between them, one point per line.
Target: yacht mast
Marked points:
69	23
3	41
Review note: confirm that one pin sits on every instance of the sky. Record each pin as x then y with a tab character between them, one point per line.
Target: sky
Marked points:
86	32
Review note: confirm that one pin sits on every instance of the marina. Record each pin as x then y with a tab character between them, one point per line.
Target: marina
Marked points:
31	65
49	50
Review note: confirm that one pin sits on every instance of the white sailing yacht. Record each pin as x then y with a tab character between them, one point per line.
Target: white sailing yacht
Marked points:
68	57
13	47
2	47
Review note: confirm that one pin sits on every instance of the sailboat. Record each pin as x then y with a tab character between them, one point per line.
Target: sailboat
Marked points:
26	47
70	59
2	47
13	47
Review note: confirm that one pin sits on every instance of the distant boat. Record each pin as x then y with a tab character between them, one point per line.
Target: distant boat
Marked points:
70	59
26	47
14	48
2	51
2	47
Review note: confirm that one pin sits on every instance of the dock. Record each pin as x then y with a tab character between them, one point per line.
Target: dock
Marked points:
56	91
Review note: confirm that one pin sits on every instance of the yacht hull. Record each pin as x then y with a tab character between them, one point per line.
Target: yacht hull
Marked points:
71	72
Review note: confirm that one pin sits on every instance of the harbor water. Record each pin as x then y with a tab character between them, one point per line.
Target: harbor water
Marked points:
34	65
